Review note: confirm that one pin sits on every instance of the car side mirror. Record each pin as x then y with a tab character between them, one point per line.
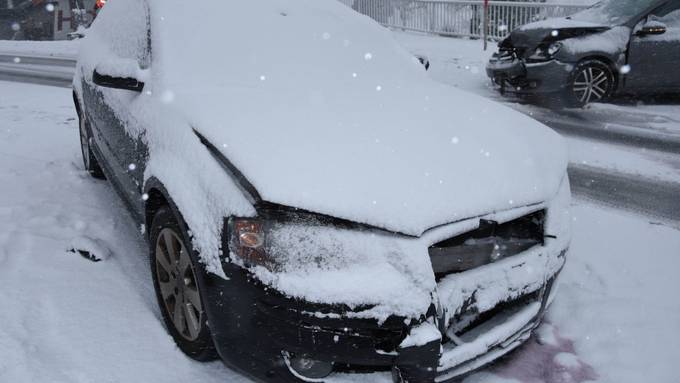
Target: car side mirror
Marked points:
120	74
652	28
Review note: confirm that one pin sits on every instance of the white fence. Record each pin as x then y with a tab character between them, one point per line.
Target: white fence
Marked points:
459	18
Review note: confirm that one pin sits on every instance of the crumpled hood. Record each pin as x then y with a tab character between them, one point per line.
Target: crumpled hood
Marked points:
532	35
402	159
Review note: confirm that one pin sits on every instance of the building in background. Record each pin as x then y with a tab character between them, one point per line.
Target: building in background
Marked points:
43	19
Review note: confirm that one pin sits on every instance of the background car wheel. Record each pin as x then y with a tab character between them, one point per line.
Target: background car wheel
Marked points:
591	81
175	272
89	160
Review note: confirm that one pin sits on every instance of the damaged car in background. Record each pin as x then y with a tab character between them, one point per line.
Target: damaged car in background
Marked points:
613	47
318	218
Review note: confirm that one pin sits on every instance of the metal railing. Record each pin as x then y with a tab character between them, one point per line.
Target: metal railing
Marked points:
459	17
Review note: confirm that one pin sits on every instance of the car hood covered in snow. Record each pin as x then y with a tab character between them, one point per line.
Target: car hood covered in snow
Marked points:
533	34
321	110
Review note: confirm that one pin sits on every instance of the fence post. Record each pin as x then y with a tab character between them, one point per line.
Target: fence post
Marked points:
485	23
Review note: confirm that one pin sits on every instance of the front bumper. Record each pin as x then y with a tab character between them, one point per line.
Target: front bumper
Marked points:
518	76
253	326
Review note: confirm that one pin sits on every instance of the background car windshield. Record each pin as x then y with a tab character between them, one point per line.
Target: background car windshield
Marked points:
613	12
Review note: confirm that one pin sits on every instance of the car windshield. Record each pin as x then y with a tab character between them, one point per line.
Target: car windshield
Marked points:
613	12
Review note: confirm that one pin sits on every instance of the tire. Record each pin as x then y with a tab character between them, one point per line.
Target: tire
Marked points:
590	81
89	160
175	272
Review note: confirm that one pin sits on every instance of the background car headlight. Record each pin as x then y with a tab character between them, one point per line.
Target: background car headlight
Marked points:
546	52
554	48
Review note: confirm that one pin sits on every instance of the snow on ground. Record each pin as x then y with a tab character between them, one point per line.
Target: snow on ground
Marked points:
657	119
623	159
68	319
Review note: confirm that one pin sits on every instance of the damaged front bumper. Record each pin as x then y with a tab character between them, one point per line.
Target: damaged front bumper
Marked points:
516	75
476	322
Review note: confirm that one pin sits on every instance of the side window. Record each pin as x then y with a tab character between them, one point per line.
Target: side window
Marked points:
124	26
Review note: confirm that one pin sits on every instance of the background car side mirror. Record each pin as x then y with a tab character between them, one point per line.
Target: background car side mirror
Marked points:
652	28
120	74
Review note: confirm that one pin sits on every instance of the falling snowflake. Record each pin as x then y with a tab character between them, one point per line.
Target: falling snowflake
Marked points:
625	69
132	167
368	57
16	27
263	78
455	140
326	36
168	97
378	88
145	197
49	7
555	33
17	60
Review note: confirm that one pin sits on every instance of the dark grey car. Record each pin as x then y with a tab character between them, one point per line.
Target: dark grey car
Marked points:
615	46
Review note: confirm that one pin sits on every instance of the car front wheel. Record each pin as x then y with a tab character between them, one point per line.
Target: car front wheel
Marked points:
590	81
175	272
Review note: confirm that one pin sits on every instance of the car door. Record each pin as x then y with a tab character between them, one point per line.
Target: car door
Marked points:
118	135
653	59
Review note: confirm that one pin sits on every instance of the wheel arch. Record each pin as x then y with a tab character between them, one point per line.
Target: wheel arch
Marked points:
608	61
157	196
76	103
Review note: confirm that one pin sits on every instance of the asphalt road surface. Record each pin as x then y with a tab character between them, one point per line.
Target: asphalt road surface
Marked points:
658	200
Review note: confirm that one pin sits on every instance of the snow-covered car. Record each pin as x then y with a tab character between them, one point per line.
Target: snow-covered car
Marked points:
315	204
615	46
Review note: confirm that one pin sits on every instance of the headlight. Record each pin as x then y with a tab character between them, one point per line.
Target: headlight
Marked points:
546	52
247	242
282	241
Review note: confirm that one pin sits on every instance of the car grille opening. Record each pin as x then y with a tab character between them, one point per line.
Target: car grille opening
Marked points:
489	243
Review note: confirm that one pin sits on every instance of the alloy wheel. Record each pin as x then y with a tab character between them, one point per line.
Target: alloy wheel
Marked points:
591	84
177	283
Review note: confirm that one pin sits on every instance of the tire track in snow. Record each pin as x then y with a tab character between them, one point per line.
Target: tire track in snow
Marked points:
653	198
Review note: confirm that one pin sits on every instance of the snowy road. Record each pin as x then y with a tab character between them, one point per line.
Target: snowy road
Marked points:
71	320
36	70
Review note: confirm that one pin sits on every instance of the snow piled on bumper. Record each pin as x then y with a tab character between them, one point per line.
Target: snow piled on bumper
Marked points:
393	274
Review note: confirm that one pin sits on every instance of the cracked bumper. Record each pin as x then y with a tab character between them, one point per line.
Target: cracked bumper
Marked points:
508	298
518	76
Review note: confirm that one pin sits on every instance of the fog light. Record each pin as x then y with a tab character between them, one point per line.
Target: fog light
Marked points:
306	368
